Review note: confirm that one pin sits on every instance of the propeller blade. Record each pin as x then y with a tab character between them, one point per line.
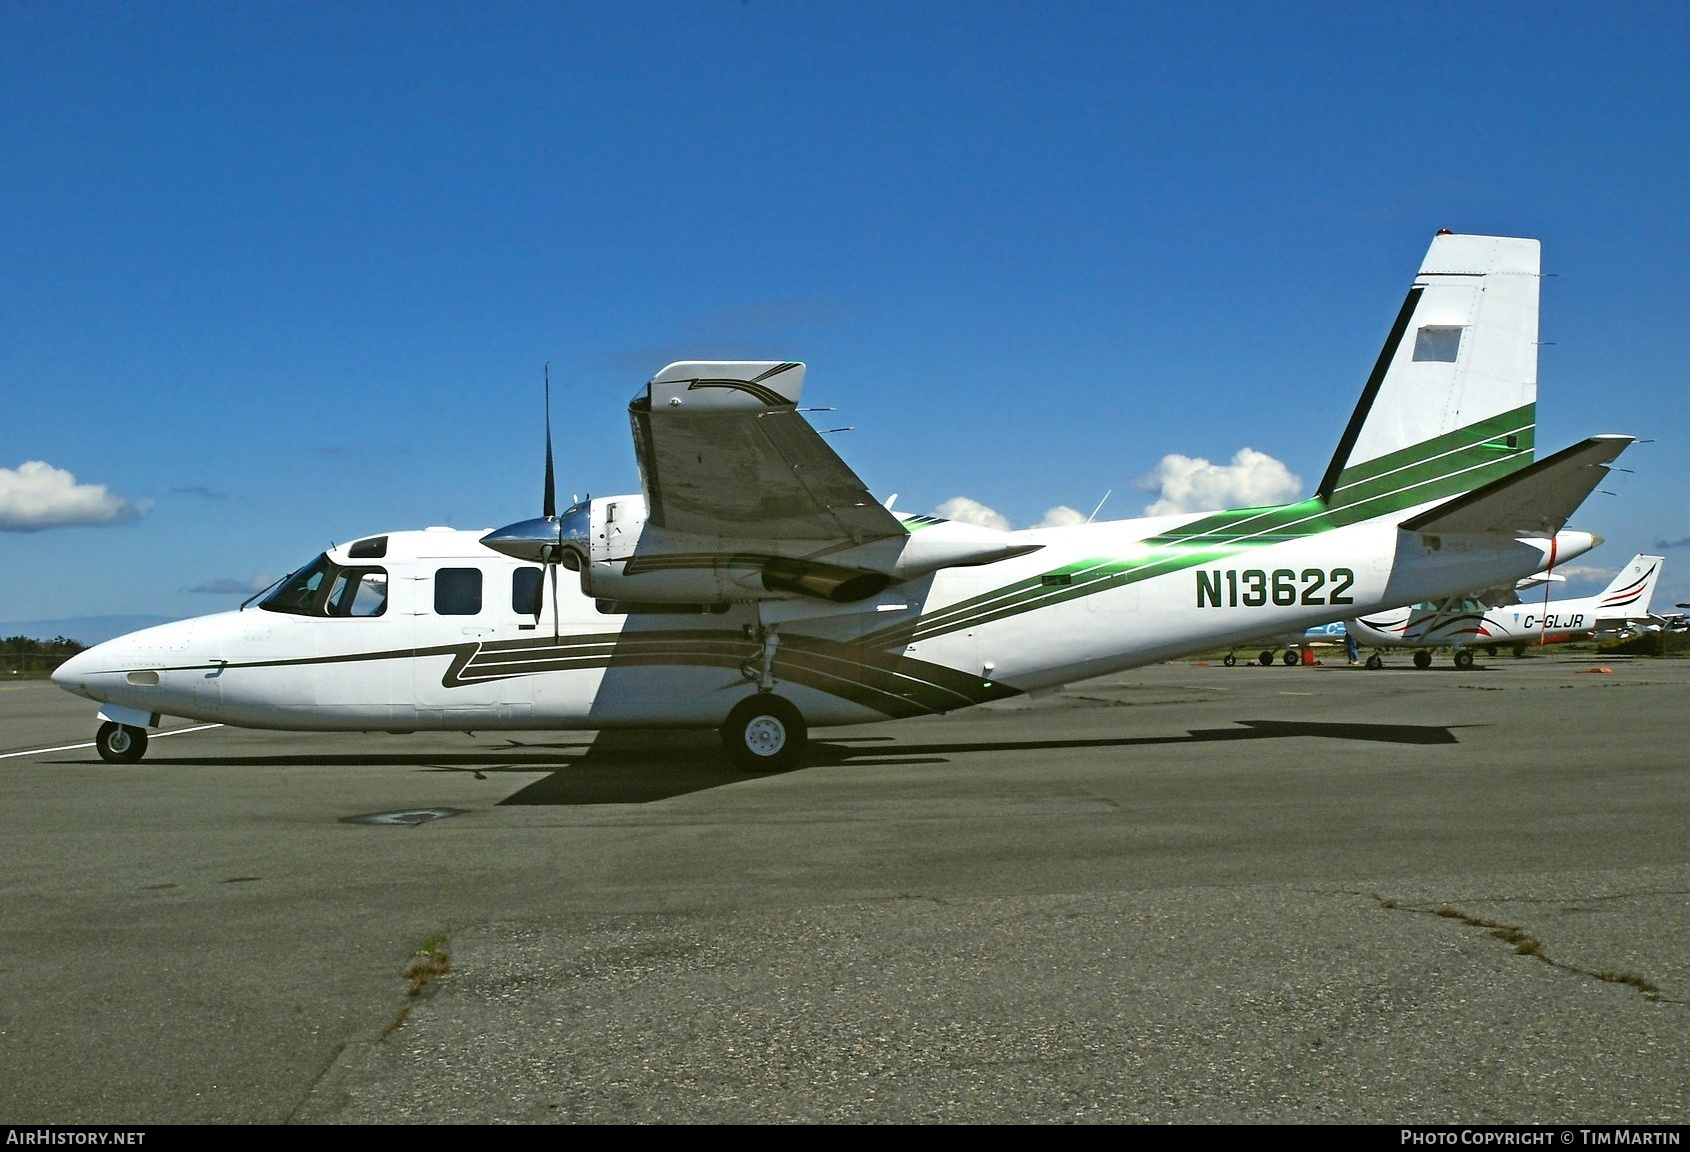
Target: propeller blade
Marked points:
553	569
550	506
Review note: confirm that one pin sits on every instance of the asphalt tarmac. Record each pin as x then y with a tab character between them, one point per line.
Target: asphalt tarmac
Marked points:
1184	894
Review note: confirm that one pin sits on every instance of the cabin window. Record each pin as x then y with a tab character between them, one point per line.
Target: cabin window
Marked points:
371	548
525	591
457	592
1439	344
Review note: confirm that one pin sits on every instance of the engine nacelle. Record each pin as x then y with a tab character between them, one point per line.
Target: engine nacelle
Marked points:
621	556
677	569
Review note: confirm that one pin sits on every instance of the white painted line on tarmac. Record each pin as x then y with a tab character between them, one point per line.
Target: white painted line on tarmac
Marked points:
90	744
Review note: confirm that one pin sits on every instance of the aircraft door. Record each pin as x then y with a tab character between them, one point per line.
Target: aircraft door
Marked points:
365	622
461	607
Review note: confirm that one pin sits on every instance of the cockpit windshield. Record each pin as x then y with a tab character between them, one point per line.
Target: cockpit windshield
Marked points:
324	588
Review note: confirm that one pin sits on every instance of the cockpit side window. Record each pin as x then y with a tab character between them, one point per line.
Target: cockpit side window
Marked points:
323	588
358	592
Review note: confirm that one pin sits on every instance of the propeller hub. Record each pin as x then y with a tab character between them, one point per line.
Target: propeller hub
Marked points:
545	539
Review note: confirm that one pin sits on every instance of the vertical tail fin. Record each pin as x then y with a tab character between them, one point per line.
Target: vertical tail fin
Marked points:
1451	404
1632	589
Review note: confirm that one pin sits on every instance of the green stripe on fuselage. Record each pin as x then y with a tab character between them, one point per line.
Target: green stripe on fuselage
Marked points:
1435	469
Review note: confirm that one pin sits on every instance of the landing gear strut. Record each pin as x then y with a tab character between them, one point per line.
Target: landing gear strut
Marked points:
119	743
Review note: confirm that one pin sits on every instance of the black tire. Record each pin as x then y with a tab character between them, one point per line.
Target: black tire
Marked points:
1519	651
119	743
1375	662
1291	657
764	733
1422	659
1464	658
1490	649
1229	659
1265	659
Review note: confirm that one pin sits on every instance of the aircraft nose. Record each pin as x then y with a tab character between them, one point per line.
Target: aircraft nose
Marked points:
75	674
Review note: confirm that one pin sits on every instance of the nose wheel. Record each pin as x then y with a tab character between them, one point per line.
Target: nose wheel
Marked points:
119	743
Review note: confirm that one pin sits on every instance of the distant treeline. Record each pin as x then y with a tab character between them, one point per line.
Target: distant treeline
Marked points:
27	656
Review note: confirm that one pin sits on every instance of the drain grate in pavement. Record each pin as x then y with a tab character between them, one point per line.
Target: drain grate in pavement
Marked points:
404	816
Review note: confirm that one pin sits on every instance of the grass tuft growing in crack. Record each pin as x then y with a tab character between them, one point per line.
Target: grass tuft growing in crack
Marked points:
1523	944
427	964
1633	979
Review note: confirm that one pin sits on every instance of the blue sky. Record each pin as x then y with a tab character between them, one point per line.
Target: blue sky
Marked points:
276	275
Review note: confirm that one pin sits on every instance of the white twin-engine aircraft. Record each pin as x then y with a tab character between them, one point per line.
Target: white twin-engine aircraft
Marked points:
756	586
1506	619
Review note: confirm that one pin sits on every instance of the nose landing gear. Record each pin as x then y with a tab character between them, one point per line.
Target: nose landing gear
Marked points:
119	743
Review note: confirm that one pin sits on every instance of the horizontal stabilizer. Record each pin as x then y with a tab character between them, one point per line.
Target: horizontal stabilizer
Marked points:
1537	500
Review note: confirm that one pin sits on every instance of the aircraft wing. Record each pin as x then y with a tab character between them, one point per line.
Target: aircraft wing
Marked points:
1536	500
723	451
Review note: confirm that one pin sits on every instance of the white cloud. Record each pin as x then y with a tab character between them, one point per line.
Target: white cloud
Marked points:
1192	484
1061	516
37	495
967	511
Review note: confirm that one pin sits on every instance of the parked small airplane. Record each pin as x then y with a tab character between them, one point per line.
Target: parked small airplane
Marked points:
1294	643
1507	620
755	585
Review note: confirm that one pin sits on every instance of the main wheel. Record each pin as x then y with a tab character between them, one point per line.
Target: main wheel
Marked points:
1464	658
1422	659
1375	662
1290	658
119	743
1229	659
1265	659
764	733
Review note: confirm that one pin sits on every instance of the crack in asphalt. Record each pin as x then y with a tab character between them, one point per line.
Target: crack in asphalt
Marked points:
1527	945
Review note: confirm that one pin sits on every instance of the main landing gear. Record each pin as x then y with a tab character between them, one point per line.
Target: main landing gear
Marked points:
764	733
119	743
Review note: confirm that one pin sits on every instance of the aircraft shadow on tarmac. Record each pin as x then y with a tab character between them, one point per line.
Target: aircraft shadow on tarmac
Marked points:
626	767
639	767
